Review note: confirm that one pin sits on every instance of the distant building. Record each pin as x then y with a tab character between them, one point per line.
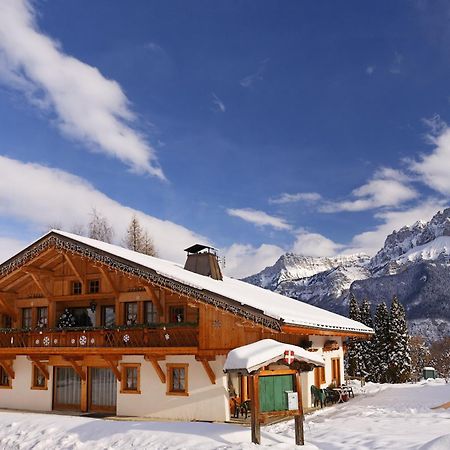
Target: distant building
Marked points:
90	326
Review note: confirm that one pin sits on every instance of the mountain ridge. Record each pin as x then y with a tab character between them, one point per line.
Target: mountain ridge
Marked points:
414	264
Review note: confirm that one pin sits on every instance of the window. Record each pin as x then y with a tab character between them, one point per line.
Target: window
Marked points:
77	288
177	379
319	376
94	286
38	381
7	321
131	313
108	316
176	314
130	383
26	317
5	381
42	317
150	315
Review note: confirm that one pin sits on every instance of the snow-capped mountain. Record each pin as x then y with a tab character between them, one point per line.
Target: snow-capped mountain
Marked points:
413	264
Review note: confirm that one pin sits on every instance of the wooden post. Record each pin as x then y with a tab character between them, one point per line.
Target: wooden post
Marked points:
256	425
244	388
299	431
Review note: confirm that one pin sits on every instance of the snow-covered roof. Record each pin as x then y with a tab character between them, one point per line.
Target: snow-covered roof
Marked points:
254	356
270	303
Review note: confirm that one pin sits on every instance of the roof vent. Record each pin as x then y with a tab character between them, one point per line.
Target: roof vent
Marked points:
203	260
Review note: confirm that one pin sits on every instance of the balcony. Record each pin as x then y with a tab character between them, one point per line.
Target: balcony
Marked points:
162	336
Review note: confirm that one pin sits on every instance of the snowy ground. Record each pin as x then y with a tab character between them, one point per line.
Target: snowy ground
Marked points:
381	417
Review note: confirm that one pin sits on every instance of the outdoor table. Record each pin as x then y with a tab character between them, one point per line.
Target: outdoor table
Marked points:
343	394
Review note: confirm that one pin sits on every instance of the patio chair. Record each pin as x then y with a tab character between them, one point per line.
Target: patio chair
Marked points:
318	396
331	396
348	390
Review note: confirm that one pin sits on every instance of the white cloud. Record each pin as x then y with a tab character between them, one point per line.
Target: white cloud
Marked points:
9	247
434	168
219	106
372	241
309	197
388	187
41	196
370	70
88	107
249	80
243	260
259	218
314	244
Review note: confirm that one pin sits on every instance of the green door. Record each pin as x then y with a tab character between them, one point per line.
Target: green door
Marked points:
272	396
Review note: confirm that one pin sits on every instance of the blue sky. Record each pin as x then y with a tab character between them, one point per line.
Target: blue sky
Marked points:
259	127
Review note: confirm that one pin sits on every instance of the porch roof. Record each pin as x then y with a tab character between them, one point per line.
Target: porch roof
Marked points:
252	357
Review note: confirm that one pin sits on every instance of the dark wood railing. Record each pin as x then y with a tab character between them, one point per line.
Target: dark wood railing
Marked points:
170	336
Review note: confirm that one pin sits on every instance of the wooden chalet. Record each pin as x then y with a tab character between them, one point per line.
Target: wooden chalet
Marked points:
89	326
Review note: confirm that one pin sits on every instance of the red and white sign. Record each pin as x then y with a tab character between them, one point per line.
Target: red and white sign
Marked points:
289	356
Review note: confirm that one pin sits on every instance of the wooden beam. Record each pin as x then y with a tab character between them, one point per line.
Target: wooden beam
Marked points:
41	367
78	369
114	364
40	285
154	296
108	278
157	367
6	306
208	370
292	329
7	365
255	419
73	268
37	271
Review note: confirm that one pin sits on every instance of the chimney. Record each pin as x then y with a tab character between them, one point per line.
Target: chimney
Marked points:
203	260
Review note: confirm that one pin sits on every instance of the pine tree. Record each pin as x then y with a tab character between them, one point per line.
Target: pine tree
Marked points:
381	344
399	353
354	345
148	247
138	239
134	236
367	346
420	356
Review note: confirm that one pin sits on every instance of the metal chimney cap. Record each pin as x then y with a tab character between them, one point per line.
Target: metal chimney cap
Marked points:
197	248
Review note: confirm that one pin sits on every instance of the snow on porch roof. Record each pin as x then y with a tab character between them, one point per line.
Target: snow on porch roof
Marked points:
271	304
254	356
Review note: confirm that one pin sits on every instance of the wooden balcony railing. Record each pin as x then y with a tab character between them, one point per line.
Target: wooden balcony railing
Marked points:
170	336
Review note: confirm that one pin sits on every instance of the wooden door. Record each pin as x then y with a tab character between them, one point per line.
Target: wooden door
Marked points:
272	389
336	371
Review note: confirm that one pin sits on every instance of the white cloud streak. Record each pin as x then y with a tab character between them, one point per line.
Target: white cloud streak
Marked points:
249	80
308	197
243	260
41	196
314	244
88	107
9	247
259	218
388	187
434	168
219	106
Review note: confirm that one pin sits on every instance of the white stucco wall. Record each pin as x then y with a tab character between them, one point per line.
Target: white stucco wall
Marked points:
21	396
206	401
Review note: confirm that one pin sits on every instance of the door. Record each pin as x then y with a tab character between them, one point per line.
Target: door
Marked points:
103	390
336	371
272	396
67	389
